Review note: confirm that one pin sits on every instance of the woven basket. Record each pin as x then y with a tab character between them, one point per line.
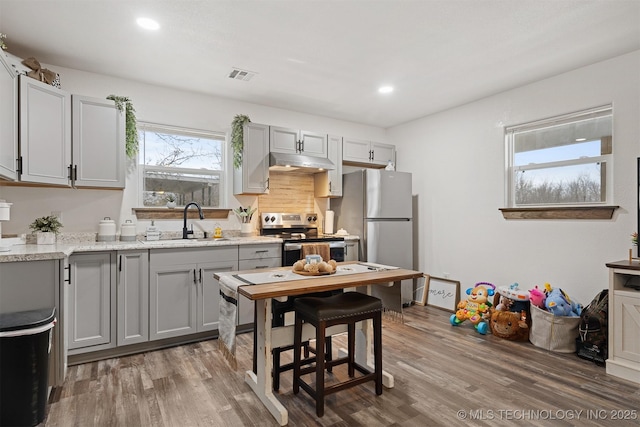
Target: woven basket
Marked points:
553	333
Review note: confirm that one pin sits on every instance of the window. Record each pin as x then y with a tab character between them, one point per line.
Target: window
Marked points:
563	161
184	163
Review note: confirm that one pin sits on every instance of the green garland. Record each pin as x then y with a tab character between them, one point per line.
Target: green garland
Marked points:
237	140
131	123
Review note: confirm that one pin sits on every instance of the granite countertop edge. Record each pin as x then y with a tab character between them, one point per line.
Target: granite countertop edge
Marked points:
33	252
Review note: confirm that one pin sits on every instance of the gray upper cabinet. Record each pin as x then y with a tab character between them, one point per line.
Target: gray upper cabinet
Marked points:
253	175
69	140
8	119
133	297
45	133
292	141
98	143
368	153
329	183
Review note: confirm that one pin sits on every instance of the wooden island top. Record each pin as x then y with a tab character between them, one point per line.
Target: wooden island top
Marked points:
323	283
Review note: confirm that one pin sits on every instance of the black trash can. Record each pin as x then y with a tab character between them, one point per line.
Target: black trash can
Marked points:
25	343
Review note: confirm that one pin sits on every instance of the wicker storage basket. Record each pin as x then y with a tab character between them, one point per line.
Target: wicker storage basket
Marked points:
554	333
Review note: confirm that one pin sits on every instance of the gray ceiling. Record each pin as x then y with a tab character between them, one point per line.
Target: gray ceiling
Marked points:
328	57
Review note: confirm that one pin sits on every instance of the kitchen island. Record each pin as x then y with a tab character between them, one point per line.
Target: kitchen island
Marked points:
261	380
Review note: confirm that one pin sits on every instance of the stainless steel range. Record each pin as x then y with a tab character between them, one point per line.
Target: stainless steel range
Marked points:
296	229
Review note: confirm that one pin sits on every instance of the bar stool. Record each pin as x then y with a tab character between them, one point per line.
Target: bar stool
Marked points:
345	308
279	309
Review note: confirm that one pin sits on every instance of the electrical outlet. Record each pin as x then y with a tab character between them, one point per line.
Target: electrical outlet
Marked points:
58	214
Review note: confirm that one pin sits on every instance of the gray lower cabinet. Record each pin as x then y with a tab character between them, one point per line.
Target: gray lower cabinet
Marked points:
184	296
133	297
351	250
91	297
255	257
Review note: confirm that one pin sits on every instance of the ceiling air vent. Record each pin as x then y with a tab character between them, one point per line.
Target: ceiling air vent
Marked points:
238	74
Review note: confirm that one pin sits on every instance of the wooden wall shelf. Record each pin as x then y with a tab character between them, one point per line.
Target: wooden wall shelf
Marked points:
565	212
177	213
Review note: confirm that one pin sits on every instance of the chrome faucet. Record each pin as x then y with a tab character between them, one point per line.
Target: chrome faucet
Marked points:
185	232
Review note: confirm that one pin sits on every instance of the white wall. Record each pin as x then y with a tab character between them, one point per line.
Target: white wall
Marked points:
457	158
83	209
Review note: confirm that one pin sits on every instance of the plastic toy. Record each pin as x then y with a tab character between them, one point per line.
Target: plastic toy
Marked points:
475	307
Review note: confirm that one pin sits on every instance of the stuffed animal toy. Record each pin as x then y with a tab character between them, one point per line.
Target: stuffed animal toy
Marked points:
537	297
559	304
475	308
504	304
509	325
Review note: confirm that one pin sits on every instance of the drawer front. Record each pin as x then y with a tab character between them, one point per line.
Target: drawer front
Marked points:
252	264
261	251
177	256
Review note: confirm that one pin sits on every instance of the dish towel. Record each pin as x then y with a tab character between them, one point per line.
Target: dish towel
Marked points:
321	249
228	314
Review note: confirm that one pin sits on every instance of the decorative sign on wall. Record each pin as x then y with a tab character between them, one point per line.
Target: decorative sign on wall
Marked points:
442	293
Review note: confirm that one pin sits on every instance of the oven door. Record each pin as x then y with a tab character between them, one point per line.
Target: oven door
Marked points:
291	252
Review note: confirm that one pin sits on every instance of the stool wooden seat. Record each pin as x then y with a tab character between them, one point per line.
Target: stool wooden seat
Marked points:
345	308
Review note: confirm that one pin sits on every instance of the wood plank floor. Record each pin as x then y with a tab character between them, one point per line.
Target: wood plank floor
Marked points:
444	376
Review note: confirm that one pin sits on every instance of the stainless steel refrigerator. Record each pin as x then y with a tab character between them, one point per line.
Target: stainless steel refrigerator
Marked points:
376	205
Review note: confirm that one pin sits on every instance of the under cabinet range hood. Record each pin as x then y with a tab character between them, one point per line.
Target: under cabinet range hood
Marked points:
299	163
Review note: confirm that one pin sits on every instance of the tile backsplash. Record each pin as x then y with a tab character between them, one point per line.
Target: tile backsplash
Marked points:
292	192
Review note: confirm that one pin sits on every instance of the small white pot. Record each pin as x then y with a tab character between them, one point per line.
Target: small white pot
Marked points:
45	238
171	205
246	229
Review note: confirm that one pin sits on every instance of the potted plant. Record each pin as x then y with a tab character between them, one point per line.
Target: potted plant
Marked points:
45	229
245	214
123	103
237	138
171	201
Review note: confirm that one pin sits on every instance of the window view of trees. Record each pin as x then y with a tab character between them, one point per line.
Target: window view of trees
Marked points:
562	160
582	189
181	165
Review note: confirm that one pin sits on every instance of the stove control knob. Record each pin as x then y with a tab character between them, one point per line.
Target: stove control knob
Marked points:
266	218
273	219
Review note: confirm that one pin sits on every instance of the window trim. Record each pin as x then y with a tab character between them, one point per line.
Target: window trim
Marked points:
224	174
510	169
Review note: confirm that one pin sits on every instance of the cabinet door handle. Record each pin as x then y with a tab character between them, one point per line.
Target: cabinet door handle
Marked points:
262	251
200	275
68	279
194	276
70	168
19	165
372	155
261	266
330	187
120	263
267	183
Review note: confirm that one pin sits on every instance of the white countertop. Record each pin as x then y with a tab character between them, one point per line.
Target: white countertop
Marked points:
62	250
30	252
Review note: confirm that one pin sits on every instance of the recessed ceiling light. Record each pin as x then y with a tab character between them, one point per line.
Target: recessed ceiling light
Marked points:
580	139
385	89
148	23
